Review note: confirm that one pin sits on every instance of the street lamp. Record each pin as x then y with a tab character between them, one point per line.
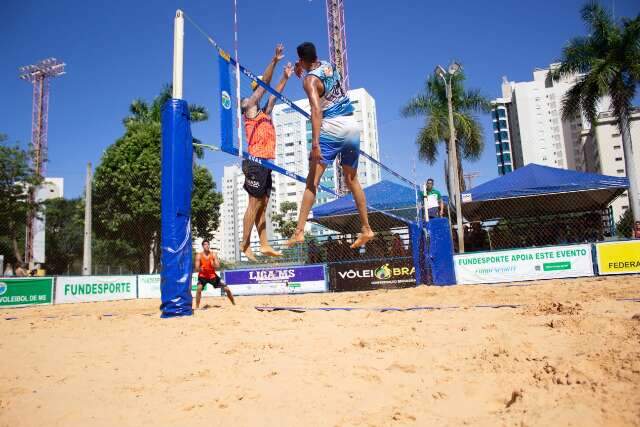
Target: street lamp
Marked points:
454	181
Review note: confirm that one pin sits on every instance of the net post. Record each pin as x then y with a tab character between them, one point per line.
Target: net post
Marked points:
178	53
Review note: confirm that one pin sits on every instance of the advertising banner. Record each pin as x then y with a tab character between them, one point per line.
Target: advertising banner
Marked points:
94	288
27	291
369	275
149	287
524	264
277	280
618	257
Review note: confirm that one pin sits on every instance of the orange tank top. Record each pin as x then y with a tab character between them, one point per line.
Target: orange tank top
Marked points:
207	267
261	136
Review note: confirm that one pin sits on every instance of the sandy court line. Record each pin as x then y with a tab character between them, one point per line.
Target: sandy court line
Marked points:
568	354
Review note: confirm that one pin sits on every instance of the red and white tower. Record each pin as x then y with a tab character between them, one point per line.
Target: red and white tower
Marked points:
338	55
39	75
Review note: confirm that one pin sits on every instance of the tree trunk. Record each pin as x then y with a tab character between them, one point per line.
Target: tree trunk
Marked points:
16	249
632	173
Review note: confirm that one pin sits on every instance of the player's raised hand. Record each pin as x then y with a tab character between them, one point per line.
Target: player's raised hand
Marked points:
279	52
288	70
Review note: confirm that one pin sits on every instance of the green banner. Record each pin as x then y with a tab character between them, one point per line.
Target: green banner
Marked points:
28	291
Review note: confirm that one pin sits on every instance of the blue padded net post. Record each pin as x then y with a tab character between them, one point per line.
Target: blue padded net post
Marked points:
177	179
433	258
441	252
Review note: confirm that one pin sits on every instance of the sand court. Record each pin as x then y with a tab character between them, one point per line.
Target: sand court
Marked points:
559	352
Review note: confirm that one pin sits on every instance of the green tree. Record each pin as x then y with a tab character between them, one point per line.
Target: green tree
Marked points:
432	104
607	62
205	204
16	178
126	196
285	220
64	232
624	227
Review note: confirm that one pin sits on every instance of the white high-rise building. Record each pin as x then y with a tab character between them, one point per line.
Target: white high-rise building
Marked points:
604	153
528	125
293	144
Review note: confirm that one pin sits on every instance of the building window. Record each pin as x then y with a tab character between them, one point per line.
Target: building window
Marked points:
503	124
502	113
615	135
504	135
616	147
505	146
620	171
496	136
507	169
506	157
618	159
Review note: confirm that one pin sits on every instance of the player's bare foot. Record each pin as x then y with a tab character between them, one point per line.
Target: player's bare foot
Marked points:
296	239
269	251
363	238
249	254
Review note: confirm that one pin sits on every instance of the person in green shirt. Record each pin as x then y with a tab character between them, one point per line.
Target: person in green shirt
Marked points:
433	204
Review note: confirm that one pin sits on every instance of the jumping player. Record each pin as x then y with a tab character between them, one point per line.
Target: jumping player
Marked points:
261	137
334	131
206	264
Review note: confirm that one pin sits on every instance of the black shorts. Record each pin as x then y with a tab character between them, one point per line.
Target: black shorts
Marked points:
257	179
215	282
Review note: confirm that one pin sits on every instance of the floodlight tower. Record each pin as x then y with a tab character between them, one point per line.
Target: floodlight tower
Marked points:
338	55
338	38
39	76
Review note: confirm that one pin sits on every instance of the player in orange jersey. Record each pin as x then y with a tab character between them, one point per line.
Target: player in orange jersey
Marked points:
206	264
261	138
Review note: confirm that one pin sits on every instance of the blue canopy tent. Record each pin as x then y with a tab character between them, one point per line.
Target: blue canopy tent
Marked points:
536	190
341	214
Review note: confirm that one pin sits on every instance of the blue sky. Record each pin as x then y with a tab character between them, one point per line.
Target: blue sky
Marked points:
118	51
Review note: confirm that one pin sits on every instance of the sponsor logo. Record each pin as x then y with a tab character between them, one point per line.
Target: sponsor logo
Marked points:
384	272
269	275
3	288
226	100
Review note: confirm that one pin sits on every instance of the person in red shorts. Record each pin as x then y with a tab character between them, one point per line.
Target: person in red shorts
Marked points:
206	264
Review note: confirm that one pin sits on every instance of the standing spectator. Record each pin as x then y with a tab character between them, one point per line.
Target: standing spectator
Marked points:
313	256
8	271
433	204
21	271
397	246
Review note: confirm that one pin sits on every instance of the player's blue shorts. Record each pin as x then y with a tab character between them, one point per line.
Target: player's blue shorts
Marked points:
340	135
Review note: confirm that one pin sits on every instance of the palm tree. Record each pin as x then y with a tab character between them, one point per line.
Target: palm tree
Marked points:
143	112
608	64
432	104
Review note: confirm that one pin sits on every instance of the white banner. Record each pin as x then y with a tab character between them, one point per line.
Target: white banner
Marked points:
524	264
149	287
94	288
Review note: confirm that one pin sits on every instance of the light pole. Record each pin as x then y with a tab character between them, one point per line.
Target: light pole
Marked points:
454	180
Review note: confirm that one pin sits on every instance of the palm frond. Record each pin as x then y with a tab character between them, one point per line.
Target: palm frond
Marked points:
198	113
417	106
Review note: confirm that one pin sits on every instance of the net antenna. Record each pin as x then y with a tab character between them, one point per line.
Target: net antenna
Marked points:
238	101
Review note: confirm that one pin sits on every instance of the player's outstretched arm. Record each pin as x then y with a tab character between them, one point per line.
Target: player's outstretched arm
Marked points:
288	71
257	95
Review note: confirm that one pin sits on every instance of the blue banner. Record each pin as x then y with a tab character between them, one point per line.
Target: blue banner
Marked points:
226	112
277	280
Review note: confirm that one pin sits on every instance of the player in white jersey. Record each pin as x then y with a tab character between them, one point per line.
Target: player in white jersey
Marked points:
334	131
